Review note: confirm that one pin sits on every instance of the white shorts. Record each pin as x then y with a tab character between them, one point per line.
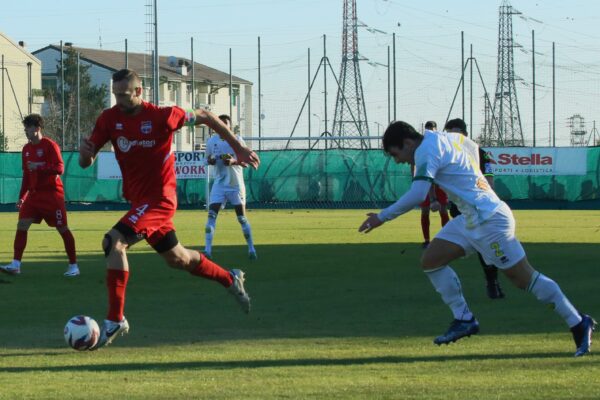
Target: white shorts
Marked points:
495	239
221	195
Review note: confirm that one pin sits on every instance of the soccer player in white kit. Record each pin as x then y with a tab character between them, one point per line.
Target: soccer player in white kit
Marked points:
486	226
228	187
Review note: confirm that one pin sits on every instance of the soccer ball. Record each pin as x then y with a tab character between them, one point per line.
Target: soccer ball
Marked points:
82	332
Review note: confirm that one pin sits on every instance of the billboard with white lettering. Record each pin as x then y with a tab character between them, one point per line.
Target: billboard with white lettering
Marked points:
188	165
538	160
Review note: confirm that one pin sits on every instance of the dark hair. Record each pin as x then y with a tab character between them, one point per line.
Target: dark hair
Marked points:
429	125
125	74
456	124
34	120
225	118
396	133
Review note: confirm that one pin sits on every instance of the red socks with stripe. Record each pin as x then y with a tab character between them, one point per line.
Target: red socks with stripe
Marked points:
69	242
425	226
209	270
116	283
19	245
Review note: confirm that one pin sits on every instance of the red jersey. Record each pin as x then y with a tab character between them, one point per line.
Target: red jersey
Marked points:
45	178
142	145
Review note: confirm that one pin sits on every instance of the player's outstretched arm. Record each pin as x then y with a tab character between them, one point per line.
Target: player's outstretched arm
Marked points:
87	153
415	195
244	155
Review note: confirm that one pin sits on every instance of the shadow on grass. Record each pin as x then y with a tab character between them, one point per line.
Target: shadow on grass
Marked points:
298	291
277	363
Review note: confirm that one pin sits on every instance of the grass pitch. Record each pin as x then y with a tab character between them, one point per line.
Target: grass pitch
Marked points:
335	315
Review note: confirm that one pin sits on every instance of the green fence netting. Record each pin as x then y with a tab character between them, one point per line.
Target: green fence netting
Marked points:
312	179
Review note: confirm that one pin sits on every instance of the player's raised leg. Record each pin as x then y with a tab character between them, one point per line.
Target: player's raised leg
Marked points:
197	264
435	262
210	228
20	242
548	292
240	211
69	242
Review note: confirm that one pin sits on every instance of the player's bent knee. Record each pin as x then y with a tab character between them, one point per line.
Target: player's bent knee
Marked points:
110	244
212	214
107	243
242	219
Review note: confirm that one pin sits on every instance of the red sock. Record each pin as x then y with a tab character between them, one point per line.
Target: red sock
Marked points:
425	226
19	245
444	216
116	282
209	270
69	241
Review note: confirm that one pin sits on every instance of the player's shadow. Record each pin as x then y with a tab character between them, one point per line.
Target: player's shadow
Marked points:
298	291
276	363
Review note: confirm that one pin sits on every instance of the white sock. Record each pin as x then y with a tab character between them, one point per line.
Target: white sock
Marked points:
16	263
548	292
210	227
73	266
446	283
247	230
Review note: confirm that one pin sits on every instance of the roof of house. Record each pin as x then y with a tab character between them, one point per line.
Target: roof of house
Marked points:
21	48
142	64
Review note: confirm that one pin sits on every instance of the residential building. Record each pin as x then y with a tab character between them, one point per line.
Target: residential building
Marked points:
211	86
20	91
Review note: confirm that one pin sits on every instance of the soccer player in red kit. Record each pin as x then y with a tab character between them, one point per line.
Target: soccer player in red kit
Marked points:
141	134
42	196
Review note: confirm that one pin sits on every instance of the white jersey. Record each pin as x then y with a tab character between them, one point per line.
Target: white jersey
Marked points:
227	177
451	160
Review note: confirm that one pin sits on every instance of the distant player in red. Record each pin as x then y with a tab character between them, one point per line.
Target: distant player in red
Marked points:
42	195
141	134
437	200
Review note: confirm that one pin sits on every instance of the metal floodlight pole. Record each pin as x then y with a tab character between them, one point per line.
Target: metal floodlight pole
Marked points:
394	60
389	105
126	55
156	56
230	88
309	110
29	88
259	96
193	93
462	68
553	95
471	93
533	73
78	99
62	94
325	80
3	102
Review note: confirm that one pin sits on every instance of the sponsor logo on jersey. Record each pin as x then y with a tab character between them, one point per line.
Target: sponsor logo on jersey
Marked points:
125	144
119	126
515	159
146	127
39	152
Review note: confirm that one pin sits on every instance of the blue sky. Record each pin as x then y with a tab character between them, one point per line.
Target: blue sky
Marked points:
428	49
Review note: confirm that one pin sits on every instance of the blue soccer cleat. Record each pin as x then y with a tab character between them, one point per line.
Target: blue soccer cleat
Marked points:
582	335
458	330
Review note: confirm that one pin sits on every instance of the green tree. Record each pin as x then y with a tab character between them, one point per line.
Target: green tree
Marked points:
3	142
92	102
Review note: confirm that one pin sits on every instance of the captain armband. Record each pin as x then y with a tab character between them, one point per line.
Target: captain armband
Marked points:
190	117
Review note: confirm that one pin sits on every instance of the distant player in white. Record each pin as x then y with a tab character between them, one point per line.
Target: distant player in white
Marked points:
228	187
486	225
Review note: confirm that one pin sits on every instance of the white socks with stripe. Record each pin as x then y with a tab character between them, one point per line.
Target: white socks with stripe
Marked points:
446	283
548	292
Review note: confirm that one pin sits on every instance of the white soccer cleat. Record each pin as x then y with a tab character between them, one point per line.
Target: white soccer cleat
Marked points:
238	291
10	269
73	270
109	331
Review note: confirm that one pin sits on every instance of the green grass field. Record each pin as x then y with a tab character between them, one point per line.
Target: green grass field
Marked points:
335	315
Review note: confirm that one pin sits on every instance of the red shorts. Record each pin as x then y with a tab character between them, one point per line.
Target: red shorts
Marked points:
440	195
152	219
47	206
